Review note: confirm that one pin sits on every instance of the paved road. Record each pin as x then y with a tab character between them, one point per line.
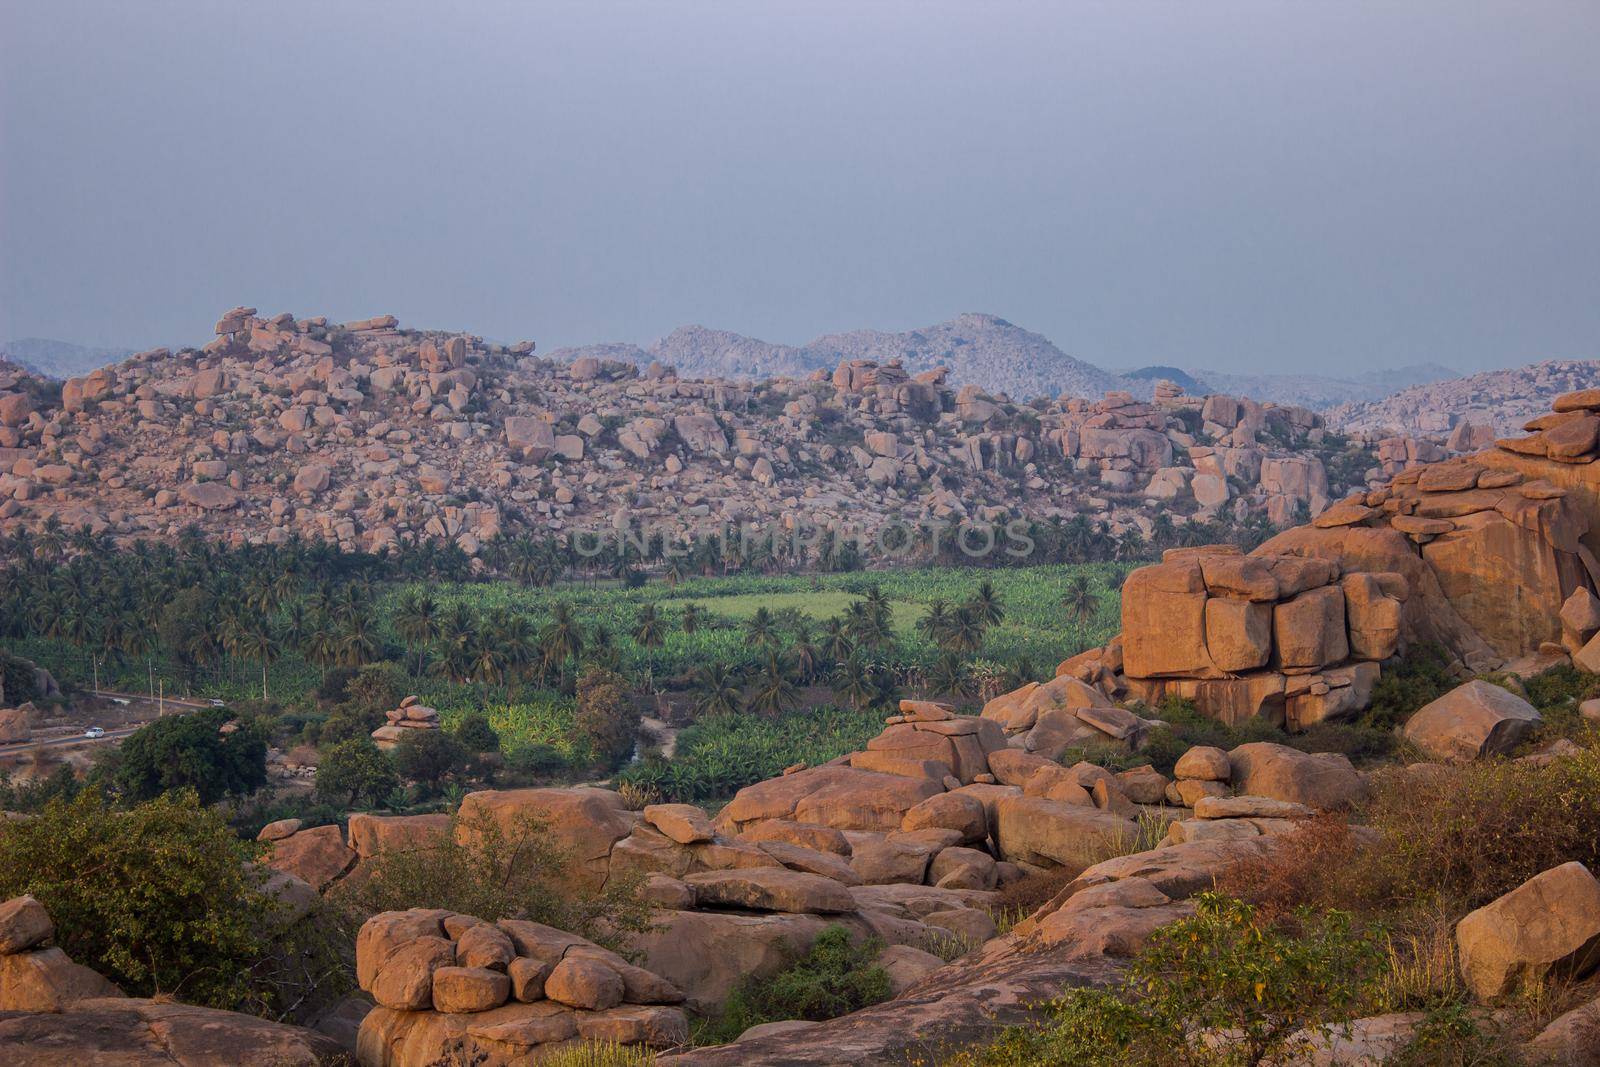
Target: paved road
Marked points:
77	738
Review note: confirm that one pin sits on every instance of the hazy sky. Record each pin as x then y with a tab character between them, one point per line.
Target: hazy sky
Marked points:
1332	186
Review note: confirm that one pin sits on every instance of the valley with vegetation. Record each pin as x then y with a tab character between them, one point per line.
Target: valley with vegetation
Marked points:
820	534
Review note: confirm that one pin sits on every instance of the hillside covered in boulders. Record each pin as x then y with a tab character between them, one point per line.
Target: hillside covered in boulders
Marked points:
364	434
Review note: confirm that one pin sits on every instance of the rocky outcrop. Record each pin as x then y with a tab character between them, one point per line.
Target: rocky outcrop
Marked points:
1474	720
449	985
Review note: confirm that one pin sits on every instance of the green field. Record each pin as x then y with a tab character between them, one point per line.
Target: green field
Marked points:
1035	633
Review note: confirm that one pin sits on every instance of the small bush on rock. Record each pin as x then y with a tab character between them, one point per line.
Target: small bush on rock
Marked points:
1223	971
836	977
480	868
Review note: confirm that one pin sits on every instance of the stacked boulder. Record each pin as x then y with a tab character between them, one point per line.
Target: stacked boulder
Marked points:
412	714
1282	637
449	985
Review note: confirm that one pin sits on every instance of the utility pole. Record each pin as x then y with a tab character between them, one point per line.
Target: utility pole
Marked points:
161	701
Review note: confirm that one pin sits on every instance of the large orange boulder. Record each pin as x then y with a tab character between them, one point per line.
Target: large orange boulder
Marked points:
583	822
1164	622
844	798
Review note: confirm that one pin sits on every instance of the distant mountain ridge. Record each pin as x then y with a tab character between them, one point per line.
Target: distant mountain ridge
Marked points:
60	359
990	352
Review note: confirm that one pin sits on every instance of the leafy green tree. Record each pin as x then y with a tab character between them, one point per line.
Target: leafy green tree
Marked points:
476	734
160	897
355	769
430	758
1080	600
606	717
987	605
193	751
773	693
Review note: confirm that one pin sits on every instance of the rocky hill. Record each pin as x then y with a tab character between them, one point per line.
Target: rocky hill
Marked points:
1501	399
1320	391
976	349
364	433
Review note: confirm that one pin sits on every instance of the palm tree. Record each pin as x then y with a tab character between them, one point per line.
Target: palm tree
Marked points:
935	624
853	681
1081	601
760	631
562	637
836	643
774	692
259	643
717	687
804	656
649	634
691	618
965	631
949	675
416	618
986	604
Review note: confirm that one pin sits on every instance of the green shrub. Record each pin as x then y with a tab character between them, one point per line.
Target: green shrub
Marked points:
1471	832
475	732
430	758
1422	676
493	872
16	680
159	898
1219	971
192	751
606	717
836	977
355	770
721	754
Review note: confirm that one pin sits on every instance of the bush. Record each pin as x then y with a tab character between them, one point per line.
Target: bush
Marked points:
1472	832
349	722
1422	676
834	978
377	687
475	732
158	898
1220	971
16	680
356	770
191	751
606	718
721	754
430	758
535	760
481	868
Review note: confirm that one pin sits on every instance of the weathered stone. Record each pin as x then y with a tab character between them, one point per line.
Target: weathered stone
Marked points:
1548	926
1472	721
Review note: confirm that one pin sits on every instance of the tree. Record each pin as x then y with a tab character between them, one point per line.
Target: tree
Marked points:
935	623
354	770
475	732
692	616
160	897
964	632
562	637
649	633
258	642
416	619
1081	601
760	630
986	604
773	693
606	717
717	689
193	751
430	758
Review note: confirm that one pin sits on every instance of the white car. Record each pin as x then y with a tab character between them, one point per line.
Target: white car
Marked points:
94	731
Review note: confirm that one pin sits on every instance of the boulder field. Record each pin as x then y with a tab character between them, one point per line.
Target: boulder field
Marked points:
1490	557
